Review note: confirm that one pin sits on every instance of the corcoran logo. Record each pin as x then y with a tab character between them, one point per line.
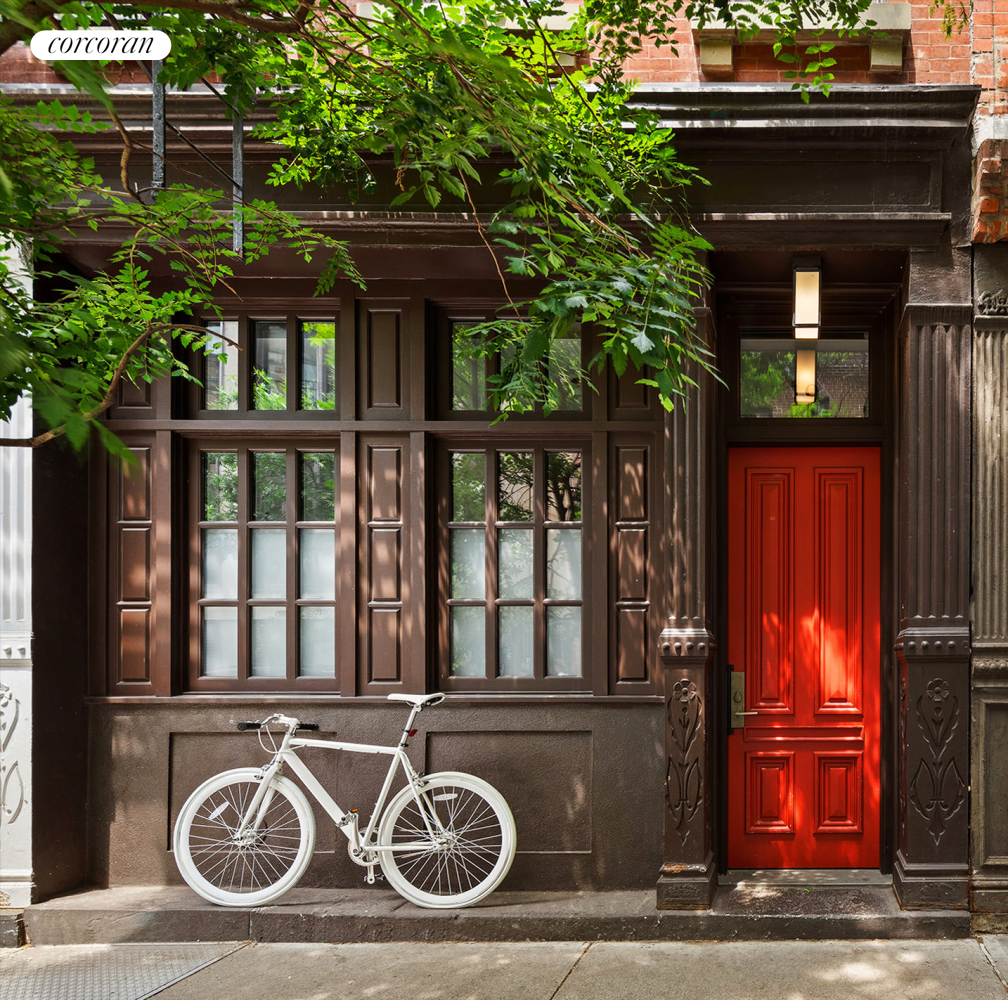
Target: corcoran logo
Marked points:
100	44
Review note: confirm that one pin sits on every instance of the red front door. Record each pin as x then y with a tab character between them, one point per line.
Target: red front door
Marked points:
803	623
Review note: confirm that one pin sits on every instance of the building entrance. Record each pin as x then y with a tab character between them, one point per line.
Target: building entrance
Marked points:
804	647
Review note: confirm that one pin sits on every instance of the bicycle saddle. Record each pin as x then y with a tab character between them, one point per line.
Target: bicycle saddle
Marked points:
419	700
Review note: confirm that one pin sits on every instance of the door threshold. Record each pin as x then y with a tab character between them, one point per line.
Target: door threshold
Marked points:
804	876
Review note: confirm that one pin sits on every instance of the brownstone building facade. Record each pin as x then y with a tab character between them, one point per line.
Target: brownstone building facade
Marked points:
332	518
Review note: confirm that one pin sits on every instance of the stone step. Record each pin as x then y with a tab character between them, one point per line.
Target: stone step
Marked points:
741	912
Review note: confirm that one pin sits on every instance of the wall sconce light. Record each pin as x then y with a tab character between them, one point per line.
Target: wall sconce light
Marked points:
807	272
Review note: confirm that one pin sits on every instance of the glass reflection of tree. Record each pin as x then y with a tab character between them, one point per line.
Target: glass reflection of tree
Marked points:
220	496
563	486
515	484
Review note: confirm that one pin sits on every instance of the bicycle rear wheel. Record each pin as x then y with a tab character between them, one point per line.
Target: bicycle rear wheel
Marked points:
453	852
257	866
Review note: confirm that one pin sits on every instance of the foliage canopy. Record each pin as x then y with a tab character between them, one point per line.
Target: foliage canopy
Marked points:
593	193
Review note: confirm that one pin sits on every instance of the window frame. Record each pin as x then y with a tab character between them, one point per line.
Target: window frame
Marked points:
246	362
482	312
539	683
244	682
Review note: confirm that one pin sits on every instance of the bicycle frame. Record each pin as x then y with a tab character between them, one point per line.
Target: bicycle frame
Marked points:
347	822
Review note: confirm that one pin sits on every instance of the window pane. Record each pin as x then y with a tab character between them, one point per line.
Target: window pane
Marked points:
269	563
318	564
318	642
468	563
318	486
563	642
220	642
468	372
563	564
220	366
564	384
768	375
468	642
220	486
515	649
514	563
220	563
269	479
563	486
514	486
269	370
269	642
318	365
468	486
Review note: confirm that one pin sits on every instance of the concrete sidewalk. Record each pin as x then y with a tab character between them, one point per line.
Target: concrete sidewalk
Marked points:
972	969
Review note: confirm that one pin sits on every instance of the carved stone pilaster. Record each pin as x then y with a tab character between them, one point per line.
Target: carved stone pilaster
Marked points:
989	679
933	646
688	877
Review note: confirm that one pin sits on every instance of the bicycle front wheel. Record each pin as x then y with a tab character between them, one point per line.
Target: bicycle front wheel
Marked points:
257	865
453	847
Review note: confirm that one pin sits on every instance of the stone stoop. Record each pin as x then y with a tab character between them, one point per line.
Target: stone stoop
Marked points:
741	912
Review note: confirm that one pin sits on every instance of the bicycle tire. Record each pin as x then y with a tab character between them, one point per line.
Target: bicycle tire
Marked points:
262	867
466	860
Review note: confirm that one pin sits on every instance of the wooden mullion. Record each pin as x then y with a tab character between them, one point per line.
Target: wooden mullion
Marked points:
244	560
195	464
244	363
492	561
291	592
539	563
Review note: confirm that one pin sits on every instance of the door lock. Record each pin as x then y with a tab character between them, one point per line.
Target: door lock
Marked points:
736	713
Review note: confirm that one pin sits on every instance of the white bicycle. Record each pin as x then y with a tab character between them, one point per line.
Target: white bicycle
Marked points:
245	836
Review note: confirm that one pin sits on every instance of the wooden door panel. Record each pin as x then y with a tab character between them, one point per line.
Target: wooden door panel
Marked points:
769	616
803	623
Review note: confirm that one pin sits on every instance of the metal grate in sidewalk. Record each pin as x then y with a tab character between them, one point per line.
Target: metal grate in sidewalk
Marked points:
103	971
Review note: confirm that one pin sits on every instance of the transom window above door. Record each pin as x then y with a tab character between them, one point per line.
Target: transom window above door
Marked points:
780	376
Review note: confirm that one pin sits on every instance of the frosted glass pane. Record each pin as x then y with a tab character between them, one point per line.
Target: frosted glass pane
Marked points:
318	642
318	564
220	563
468	486
269	476
468	566
563	486
563	565
220	366
515	475
220	642
515	638
514	563
318	365
269	372
318	486
269	642
220	486
563	642
468	642
269	563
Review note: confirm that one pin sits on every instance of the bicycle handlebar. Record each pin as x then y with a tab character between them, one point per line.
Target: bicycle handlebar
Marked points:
307	726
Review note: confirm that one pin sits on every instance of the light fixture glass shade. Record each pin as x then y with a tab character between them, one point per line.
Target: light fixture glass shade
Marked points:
806	297
805	376
806	333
